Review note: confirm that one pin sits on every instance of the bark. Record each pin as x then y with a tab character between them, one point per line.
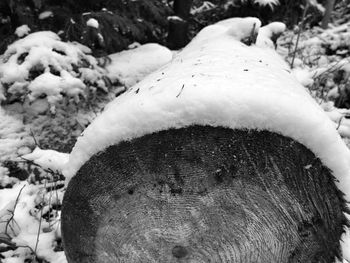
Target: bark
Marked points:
178	29
203	194
328	13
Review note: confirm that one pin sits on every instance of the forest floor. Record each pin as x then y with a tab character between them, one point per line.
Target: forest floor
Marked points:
31	191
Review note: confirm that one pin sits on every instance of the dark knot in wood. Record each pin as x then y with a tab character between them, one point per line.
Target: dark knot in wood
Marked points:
203	194
179	252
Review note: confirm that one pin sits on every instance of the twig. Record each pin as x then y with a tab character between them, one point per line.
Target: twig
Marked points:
301	26
339	122
253	35
56	175
40	219
57	200
35	141
183	85
13	211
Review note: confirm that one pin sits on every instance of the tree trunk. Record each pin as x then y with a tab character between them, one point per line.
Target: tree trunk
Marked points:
328	13
178	24
203	194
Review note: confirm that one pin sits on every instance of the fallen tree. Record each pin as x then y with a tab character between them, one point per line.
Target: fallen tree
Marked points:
220	156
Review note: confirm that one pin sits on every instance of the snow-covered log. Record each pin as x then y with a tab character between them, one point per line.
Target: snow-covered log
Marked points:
220	156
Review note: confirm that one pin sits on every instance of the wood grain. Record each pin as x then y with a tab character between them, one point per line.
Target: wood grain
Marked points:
203	194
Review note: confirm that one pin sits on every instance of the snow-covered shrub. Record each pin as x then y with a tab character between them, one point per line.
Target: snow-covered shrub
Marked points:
41	66
58	88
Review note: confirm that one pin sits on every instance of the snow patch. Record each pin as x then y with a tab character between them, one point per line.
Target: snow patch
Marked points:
270	3
92	22
13	136
205	6
268	34
48	159
304	76
22	30
239	28
45	14
131	66
25	224
175	18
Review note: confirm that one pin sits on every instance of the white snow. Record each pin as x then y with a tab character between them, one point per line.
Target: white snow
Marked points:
53	86
13	136
345	244
22	30
5	179
218	81
131	66
134	45
270	3
268	32
304	76
25	224
48	159
338	116
176	18
92	22
205	6
238	28
45	14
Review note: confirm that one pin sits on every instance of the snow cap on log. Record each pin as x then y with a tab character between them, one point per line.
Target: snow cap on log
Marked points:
218	80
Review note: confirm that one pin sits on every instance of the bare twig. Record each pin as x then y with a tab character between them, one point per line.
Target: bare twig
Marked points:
13	211
180	91
40	219
339	122
301	27
35	141
55	175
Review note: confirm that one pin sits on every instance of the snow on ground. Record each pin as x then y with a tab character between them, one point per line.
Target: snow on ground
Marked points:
14	140
21	212
145	59
13	137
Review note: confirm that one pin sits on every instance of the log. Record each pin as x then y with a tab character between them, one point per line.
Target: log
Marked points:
203	194
196	164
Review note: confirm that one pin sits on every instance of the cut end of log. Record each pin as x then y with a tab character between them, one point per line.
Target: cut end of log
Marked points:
204	194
